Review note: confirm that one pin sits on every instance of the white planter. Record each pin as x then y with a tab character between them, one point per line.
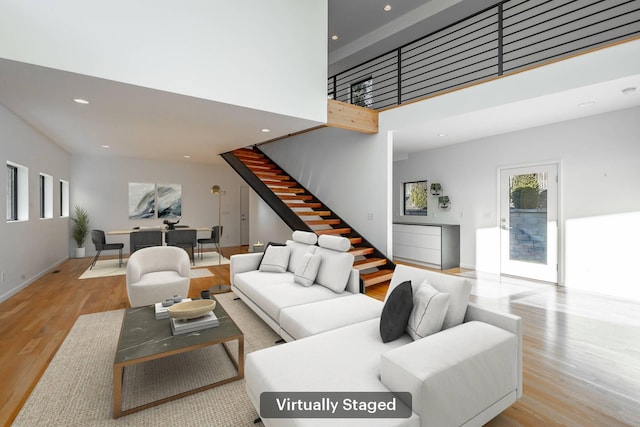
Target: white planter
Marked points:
80	252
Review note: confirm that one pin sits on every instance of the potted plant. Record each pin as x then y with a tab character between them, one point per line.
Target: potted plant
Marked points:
80	230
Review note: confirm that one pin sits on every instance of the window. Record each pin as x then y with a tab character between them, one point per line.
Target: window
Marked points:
416	196
64	198
17	192
362	93
12	193
46	196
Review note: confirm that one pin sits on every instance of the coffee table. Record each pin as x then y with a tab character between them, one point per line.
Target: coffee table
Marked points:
144	338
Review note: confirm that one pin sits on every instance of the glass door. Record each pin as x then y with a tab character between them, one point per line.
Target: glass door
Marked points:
529	222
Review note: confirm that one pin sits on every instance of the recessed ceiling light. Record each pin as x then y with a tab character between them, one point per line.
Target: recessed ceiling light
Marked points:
187	156
334	37
586	104
629	90
265	130
387	8
105	146
80	101
442	134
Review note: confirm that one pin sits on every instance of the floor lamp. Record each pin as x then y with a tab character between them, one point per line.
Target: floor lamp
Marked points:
216	190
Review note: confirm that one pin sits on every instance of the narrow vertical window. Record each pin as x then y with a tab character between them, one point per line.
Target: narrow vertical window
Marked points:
64	198
42	196
46	196
12	193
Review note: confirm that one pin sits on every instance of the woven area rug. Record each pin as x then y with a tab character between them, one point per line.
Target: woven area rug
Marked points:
76	388
109	267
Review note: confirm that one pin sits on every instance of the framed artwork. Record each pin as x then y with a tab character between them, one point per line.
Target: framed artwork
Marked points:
148	200
169	200
416	197
142	200
362	93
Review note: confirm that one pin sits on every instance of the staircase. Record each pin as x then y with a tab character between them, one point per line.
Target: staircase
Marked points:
301	210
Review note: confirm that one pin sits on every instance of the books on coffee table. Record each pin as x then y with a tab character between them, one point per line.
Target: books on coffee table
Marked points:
162	312
184	326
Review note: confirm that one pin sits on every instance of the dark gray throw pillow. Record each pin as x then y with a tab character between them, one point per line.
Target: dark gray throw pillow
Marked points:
396	312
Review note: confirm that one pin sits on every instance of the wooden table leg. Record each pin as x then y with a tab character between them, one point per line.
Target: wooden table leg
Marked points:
118	374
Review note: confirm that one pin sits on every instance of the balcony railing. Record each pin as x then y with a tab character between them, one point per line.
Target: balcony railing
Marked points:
503	39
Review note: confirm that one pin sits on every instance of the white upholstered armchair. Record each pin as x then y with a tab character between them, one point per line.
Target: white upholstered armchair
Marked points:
157	273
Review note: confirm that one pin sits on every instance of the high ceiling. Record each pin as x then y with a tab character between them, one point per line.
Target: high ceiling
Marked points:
143	123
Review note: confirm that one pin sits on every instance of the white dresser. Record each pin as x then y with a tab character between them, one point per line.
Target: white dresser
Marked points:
434	245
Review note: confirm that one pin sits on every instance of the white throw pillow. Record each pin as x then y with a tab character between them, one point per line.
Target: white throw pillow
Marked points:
307	271
429	310
275	259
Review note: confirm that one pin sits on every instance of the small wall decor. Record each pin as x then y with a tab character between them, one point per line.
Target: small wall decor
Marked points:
443	202
436	188
416	197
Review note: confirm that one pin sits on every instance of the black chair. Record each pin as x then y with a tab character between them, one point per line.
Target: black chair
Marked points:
214	239
99	240
139	239
185	239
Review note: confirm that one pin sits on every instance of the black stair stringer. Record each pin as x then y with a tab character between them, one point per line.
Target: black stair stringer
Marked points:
292	220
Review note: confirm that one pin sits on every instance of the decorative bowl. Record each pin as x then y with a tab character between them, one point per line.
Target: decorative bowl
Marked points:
191	309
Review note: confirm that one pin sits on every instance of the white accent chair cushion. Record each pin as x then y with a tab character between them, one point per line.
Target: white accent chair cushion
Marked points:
275	259
429	309
157	273
307	271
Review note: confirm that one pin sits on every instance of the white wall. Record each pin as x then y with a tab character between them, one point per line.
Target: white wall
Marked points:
28	249
348	171
266	55
264	225
599	195
100	185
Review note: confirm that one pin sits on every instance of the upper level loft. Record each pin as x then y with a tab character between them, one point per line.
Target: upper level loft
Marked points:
510	37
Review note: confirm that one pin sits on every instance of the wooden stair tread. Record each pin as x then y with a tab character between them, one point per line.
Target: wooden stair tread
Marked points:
334	231
272	184
355	240
323	222
363	264
304	205
313	213
260	166
295	197
361	251
287	190
250	154
272	175
376	277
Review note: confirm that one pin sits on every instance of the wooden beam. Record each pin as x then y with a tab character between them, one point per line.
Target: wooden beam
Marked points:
351	117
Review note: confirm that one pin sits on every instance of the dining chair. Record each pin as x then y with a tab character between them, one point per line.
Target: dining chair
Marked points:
216	233
141	238
185	239
99	240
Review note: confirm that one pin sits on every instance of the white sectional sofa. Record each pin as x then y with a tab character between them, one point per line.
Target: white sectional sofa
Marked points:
276	296
463	375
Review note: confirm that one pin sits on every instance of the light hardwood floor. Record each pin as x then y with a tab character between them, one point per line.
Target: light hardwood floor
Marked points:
581	351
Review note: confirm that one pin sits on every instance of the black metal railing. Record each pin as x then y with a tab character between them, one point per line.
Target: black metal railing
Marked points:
505	38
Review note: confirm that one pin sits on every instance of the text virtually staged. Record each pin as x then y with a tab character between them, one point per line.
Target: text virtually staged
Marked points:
335	405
